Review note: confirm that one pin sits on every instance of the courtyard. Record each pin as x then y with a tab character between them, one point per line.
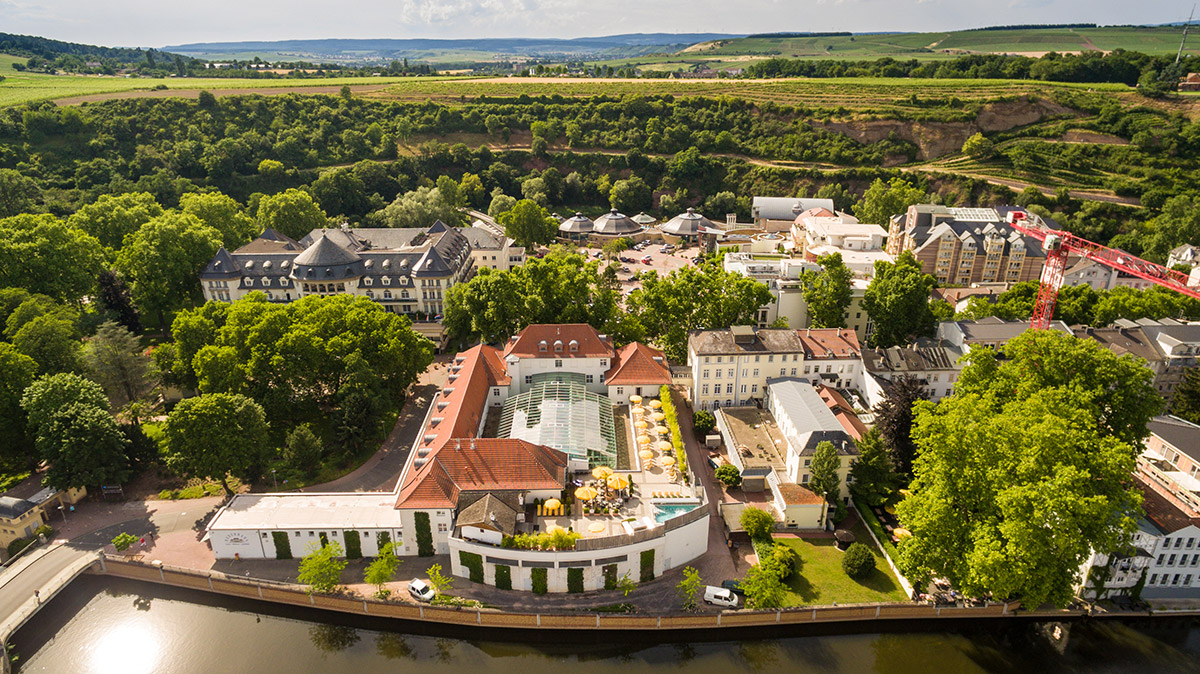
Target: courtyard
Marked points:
821	580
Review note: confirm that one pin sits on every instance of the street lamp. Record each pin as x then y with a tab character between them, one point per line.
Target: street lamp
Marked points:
273	480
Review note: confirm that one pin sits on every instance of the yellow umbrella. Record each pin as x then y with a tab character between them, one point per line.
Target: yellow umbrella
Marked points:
661	430
664	445
638	411
646	454
552	504
597	527
640	424
644	439
601	472
635	399
617	482
585	493
891	510
901	532
658	416
668	461
656	404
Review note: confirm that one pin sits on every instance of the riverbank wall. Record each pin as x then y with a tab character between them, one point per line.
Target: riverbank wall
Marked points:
724	621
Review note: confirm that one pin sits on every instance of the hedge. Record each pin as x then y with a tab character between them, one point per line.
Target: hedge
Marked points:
474	564
324	538
383	538
283	545
575	579
503	577
538	576
610	576
876	528
672	419
19	544
353	544
424	535
647	565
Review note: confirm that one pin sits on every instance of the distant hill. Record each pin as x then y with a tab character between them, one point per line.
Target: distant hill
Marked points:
31	45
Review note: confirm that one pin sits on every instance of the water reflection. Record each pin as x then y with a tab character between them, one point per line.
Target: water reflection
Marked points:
130	647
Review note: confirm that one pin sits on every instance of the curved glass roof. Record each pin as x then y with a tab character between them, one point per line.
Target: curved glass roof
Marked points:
559	412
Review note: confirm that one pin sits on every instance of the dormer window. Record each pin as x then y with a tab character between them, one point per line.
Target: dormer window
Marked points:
387	264
283	282
387	280
573	345
267	265
368	281
558	346
266	281
542	346
248	281
249	264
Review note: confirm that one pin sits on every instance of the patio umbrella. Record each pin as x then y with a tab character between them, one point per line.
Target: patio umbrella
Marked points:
601	472
661	430
586	493
641	424
656	404
668	461
658	416
891	510
617	482
644	439
664	445
637	410
597	527
901	532
646	454
635	399
553	504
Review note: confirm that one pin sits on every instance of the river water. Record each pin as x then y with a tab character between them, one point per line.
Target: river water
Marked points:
101	625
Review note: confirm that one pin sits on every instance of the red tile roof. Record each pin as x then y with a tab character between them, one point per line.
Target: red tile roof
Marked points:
636	365
481	464
843	411
590	344
1164	514
829	343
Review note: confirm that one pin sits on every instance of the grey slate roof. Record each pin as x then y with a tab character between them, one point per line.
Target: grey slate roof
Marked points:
1179	433
900	360
326	253
222	266
615	224
1122	340
489	512
12	508
576	224
687	224
766	340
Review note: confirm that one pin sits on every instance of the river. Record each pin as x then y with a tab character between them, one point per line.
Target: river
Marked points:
101	625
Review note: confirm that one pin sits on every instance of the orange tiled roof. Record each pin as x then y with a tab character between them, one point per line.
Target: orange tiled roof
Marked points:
842	411
591	344
482	464
829	343
636	365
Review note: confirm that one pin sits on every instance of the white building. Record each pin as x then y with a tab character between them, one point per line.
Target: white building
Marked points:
990	331
805	421
934	364
492	251
778	214
1100	276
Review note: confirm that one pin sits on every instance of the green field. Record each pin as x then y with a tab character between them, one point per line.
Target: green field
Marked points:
822	581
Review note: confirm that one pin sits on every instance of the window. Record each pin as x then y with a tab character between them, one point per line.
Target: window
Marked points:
718	373
806	369
591	377
1187	580
368	281
603	362
728	390
756	372
745	372
1195	560
730	373
804	479
1153	578
793	372
442	527
1190	543
1160	560
706	360
297	534
771	359
558	363
705	374
528	379
756	358
828	369
1171	560
807	463
495	391
743	388
754	388
1178	542
1175	579
704	390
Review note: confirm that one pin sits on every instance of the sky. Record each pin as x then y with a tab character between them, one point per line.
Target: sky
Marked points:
146	23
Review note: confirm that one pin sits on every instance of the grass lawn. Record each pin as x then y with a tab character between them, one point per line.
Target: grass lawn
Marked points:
822	581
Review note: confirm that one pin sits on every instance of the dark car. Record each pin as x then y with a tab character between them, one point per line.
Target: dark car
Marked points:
733	586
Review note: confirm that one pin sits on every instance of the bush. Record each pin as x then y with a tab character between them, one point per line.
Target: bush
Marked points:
474	564
786	558
647	565
610	576
757	522
503	577
858	562
877	528
382	538
729	475
167	495
45	530
18	545
123	541
538	576
353	544
703	422
283	545
424	535
574	580
672	419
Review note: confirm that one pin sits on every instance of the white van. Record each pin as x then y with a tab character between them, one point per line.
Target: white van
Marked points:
719	596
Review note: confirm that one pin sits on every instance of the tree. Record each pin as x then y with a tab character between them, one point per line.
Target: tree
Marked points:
858	562
894	419
842	198
874	478
16	374
420	208
825	481
883	200
630	195
703	422
625	584
341	192
123	541
729	476
528	224
52	341
163	260
897	300
114	295
1025	470
216	435
1186	403
222	214
500	203
437	581
757	522
382	569
45	255
321	569
978	146
763	588
291	213
112	217
16	193
303	449
114	357
83	446
50	393
827	293
688	588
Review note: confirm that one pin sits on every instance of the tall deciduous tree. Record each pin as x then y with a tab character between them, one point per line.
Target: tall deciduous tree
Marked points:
825	481
223	214
49	393
1186	403
898	302
883	200
16	193
16	373
163	260
420	208
45	255
84	446
114	357
216	435
894	419
528	224
291	213
827	292
52	340
112	217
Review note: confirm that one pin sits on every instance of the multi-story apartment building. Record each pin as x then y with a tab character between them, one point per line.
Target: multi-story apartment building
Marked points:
1133	340
1101	276
731	367
990	331
492	251
1179	344
966	245
935	364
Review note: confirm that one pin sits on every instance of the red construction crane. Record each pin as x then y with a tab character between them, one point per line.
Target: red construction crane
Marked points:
1059	245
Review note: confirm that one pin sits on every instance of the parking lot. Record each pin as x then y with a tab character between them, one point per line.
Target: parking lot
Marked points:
663	263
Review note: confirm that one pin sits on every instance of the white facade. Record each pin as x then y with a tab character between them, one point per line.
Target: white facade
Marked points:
1169	562
782	276
522	369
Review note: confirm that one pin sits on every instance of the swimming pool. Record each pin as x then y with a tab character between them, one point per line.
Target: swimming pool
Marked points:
666	511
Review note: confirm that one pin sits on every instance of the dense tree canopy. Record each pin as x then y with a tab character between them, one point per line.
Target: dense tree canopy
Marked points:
827	292
112	217
291	213
897	300
528	224
883	200
162	261
217	434
43	254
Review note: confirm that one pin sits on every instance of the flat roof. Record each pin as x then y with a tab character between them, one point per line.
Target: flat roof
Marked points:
366	510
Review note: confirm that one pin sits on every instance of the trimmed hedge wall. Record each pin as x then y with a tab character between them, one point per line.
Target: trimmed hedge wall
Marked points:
382	538
474	564
283	545
538	576
575	579
672	419
647	565
876	527
324	538
424	535
353	544
610	576
503	577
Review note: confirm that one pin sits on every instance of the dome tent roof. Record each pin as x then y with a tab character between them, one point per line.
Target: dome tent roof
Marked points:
324	258
688	223
576	224
616	224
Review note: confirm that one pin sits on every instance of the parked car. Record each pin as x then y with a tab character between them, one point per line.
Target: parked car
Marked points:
719	596
626	269
598	254
712	461
733	586
420	590
647	260
624	259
